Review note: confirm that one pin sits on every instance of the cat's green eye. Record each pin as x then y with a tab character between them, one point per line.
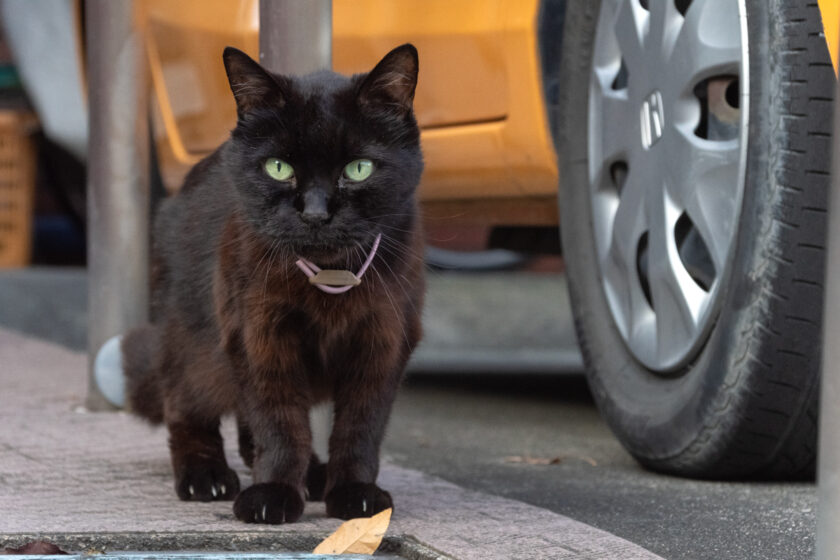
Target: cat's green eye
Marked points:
358	170
278	169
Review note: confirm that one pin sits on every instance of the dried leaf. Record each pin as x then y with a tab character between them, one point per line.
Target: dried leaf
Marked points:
37	548
533	460
357	536
527	460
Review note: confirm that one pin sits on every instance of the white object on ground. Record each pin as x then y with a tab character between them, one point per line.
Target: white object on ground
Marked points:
108	371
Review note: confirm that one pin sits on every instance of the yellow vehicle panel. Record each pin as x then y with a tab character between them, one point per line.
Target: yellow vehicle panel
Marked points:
461	48
830	11
479	100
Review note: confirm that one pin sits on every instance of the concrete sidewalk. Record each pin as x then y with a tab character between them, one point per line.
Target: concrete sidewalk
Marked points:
102	482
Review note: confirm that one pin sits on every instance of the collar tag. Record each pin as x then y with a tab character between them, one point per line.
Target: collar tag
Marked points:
336	281
335	278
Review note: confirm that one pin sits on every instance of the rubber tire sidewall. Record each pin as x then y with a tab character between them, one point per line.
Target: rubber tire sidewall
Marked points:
695	423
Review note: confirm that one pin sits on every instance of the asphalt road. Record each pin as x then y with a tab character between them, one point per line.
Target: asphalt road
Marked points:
495	435
534	438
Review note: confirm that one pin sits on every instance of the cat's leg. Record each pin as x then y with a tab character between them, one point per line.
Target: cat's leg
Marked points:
198	391
316	473
363	399
358	429
282	450
275	402
198	461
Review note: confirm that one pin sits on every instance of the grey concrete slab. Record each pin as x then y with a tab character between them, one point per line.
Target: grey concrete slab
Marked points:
103	481
498	322
49	303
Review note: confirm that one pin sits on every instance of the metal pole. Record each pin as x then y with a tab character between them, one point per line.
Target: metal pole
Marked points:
118	185
828	474
296	38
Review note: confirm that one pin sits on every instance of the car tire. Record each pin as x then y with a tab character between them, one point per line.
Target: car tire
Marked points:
742	401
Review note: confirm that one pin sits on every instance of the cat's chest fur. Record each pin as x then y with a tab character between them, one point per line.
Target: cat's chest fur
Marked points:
267	309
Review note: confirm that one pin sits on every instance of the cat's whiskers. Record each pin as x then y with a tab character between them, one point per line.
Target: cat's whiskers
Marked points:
371	291
395	228
392	215
397	278
288	258
359	256
422	215
278	248
358	253
403	253
399	255
397	314
259	264
401	247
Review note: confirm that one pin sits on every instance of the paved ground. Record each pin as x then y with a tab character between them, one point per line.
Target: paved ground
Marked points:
488	434
492	435
102	481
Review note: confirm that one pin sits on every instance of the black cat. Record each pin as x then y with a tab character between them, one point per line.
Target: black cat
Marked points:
320	171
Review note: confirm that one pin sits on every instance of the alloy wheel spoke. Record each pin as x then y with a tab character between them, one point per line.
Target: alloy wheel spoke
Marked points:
676	299
631	308
665	24
706	185
619	262
630	28
613	109
707	44
629	223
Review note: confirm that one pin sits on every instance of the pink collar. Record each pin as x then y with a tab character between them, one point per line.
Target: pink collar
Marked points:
336	281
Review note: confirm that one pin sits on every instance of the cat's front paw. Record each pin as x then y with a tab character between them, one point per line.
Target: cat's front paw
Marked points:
357	499
270	502
316	479
206	483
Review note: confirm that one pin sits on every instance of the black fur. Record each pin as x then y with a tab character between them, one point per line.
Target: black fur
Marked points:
237	328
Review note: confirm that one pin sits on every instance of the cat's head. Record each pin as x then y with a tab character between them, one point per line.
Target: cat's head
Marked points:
324	162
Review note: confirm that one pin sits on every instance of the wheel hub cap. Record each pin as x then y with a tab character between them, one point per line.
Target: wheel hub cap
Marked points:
667	106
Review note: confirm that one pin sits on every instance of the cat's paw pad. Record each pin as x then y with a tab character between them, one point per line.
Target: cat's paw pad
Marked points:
270	502
316	480
357	499
207	483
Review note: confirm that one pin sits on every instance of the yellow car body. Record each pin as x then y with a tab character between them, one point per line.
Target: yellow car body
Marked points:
486	138
830	11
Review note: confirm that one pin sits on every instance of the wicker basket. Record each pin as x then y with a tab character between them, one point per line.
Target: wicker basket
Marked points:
17	187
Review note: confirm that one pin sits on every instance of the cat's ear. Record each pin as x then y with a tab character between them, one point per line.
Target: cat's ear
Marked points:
391	83
251	84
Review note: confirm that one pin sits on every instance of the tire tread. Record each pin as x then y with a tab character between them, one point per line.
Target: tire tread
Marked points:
792	418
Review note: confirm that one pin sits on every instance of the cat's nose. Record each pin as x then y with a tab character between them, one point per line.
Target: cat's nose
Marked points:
314	207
